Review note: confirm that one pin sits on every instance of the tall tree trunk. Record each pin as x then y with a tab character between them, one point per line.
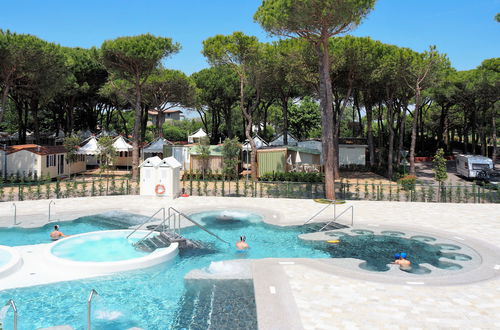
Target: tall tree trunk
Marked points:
20	126
284	106
136	134
248	128
124	123
326	102
494	135
5	95
369	133
402	126
36	121
414	129
390	117
473	131
442	123
356	104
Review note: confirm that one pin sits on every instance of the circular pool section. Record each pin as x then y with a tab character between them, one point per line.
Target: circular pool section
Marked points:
107	251
10	260
376	249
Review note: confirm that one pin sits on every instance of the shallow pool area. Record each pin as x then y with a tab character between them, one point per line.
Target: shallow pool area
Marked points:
168	301
106	246
16	236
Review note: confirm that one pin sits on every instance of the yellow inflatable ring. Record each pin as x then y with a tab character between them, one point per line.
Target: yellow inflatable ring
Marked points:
333	241
329	201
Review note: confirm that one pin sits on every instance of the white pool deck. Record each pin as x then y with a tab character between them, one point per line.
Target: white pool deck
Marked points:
310	294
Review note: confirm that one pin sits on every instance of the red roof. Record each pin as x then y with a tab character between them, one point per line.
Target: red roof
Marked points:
36	149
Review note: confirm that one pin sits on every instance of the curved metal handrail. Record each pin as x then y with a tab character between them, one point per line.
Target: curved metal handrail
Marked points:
196	223
148	220
50	204
338	216
12	304
89	305
319	212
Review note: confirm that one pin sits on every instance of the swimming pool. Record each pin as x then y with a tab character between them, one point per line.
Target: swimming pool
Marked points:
160	291
15	236
167	301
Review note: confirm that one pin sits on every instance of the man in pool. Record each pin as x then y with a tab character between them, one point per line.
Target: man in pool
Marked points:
56	234
404	264
242	245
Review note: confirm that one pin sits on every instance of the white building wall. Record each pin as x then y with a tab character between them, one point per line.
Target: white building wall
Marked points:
23	162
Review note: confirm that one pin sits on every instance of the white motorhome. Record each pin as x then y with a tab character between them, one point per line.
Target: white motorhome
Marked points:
469	165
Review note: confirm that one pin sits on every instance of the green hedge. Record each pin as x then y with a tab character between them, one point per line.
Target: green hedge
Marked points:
292	177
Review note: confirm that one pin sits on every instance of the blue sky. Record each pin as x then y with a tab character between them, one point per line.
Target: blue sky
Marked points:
463	29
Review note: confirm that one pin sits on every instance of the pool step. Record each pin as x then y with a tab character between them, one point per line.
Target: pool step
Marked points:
209	304
155	242
332	226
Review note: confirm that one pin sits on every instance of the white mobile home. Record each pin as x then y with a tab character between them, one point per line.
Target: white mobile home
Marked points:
31	159
470	165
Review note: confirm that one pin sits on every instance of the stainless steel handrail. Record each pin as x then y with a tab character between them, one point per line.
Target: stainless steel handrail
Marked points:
320	211
50	203
338	216
89	305
15	214
14	308
153	230
148	220
195	223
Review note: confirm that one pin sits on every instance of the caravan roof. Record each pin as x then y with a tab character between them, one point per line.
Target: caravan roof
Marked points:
476	158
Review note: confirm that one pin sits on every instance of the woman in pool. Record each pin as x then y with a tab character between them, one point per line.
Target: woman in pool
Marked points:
56	234
242	245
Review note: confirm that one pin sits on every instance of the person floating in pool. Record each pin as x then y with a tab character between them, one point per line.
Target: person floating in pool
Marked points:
56	234
404	264
241	245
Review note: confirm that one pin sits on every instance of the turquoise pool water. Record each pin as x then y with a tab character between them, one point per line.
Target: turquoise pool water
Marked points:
21	236
98	247
153	298
159	298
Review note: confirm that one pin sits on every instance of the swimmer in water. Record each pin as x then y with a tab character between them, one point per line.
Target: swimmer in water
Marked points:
241	245
404	264
56	234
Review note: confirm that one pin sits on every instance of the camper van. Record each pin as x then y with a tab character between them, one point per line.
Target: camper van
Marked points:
469	166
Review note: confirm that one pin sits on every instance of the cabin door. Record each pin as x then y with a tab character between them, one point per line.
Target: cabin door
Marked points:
60	165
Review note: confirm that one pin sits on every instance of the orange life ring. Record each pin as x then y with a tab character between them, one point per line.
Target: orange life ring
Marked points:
160	189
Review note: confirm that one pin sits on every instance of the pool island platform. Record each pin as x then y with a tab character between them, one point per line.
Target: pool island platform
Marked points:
315	294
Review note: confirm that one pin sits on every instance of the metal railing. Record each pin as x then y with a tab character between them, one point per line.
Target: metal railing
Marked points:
148	220
12	304
338	216
50	204
89	307
155	229
193	222
321	211
15	214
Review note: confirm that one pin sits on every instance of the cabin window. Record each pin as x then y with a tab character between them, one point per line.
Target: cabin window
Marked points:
466	165
480	166
47	162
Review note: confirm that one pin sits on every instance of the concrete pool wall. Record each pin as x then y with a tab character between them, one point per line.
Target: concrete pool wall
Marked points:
12	263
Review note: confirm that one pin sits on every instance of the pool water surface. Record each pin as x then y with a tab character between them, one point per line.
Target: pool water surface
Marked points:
157	297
